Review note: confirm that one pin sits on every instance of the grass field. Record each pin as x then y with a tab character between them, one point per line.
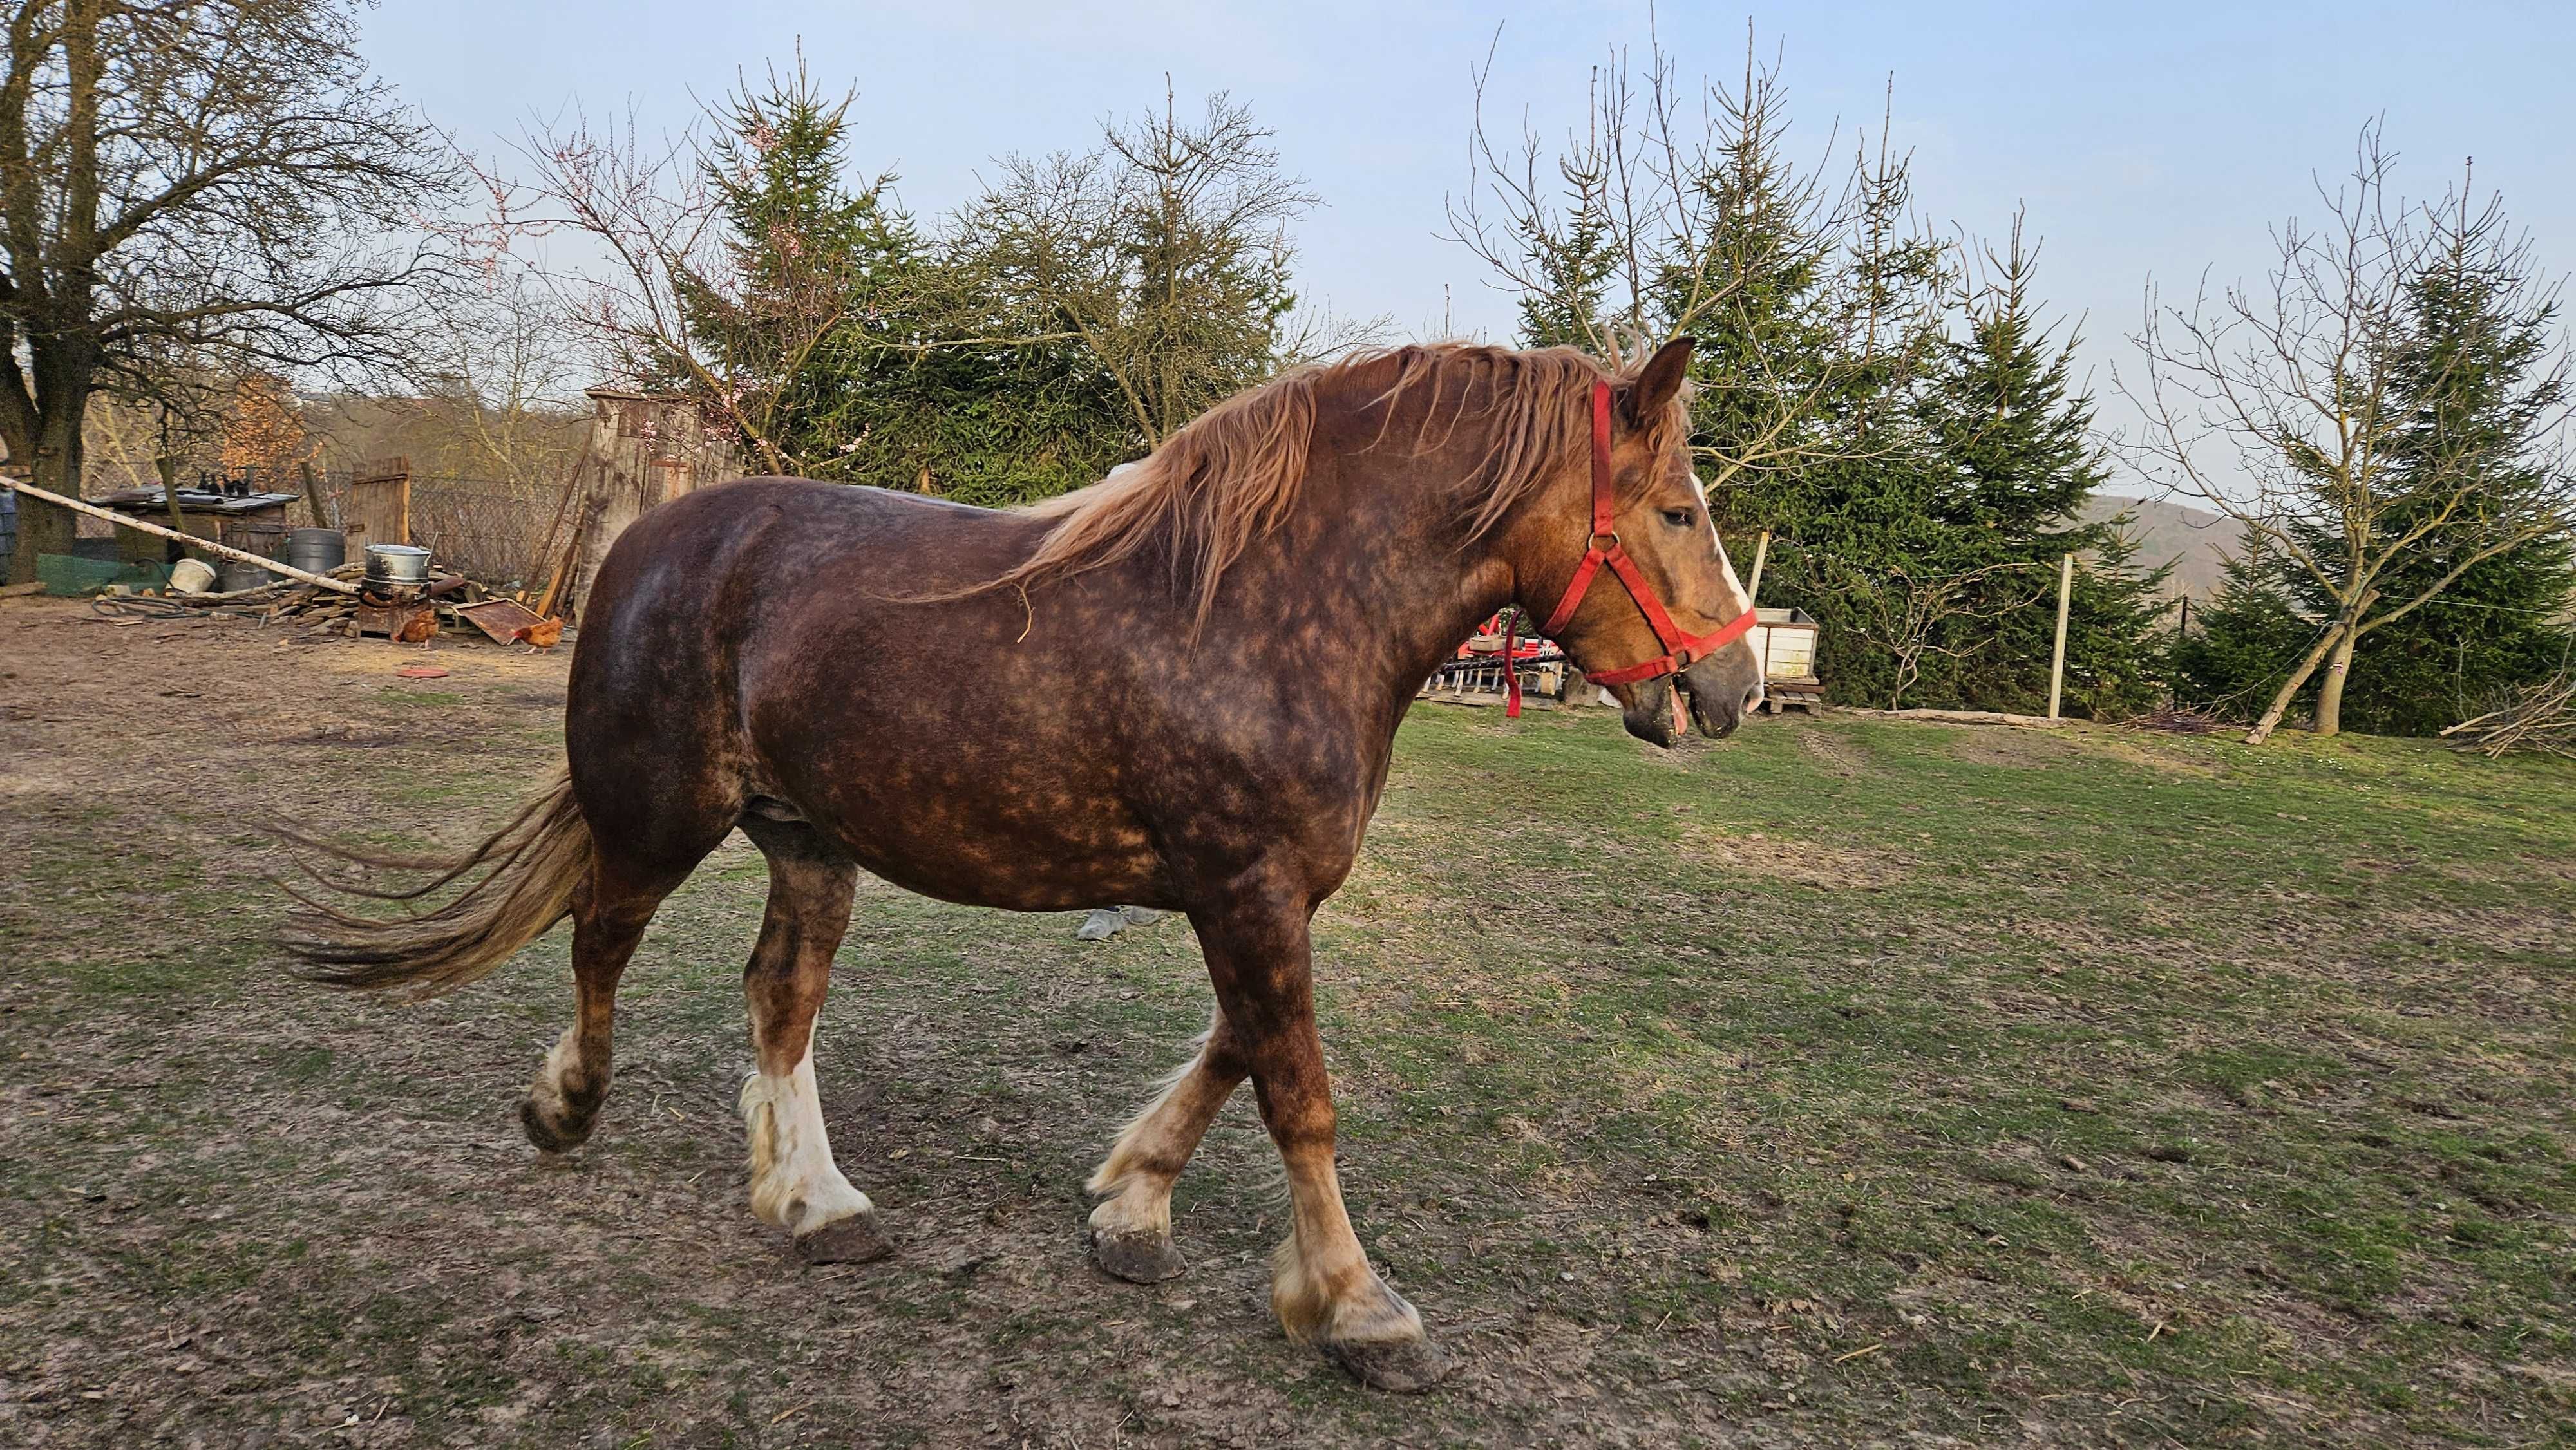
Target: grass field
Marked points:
1850	1081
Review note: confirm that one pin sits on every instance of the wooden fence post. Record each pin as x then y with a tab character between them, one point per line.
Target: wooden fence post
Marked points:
2057	658
312	493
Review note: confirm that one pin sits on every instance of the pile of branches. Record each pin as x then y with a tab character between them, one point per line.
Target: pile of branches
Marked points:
2538	719
2180	720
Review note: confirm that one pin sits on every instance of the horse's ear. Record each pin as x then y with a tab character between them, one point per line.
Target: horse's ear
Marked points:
1659	380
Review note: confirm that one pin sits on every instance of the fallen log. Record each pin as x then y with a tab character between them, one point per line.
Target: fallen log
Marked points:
1966	717
191	540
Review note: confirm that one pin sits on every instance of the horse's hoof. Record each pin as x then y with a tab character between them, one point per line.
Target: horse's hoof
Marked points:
852	1240
1137	1258
547	1134
1404	1367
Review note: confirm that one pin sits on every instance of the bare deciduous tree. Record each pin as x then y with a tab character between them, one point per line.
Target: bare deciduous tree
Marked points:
618	230
1673	212
188	183
2300	407
501	379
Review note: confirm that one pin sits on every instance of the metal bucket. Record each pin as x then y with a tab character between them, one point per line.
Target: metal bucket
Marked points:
316	551
397	564
234	575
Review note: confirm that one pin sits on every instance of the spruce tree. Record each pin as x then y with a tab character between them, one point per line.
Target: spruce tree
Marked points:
2014	464
2475	368
798	317
1806	367
2479	381
2238	646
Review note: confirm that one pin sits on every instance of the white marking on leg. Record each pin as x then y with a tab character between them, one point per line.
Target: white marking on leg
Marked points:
559	1078
1164	1134
795	1185
548	1089
1321	1285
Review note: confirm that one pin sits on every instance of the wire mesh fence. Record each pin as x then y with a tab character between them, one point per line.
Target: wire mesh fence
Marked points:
489	529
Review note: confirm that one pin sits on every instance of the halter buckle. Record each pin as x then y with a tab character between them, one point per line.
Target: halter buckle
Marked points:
1600	548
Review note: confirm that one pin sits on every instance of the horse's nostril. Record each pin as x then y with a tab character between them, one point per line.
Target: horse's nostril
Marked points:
1753	698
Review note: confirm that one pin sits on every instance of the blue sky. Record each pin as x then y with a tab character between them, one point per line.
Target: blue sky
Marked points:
2144	140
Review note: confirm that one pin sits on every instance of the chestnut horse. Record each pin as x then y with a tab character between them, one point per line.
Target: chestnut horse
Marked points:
1111	696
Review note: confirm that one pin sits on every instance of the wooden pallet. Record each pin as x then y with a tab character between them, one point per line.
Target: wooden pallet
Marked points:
1807	694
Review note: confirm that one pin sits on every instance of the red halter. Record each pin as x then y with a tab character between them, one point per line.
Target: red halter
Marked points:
1680	649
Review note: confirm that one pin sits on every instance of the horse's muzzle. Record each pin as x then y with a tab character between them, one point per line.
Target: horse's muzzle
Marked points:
1716	693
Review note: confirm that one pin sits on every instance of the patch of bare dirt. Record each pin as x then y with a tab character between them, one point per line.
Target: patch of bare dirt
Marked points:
1796	859
1830	750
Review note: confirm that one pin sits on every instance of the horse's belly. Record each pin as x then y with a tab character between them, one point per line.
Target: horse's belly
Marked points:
1040	847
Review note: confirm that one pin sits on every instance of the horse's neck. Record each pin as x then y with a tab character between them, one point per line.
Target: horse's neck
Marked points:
1370	576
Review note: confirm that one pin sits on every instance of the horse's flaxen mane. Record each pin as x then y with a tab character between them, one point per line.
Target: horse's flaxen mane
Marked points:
1235	472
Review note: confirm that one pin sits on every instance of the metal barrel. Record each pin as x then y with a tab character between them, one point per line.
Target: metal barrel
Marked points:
316	551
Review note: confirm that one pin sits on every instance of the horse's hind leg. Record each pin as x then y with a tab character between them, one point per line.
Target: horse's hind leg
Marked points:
795	1185
609	914
1131	1230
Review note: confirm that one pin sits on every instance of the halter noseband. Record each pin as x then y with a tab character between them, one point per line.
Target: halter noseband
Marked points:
1680	649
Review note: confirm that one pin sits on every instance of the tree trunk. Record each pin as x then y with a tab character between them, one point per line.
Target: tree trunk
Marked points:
45	528
2330	693
169	470
2298	680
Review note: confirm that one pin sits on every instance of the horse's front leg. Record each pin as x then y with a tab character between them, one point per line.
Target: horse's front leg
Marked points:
1321	1286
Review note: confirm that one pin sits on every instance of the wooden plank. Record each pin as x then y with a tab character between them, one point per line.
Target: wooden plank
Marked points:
500	619
377	511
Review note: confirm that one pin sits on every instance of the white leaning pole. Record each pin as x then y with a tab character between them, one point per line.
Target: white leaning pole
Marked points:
2057	657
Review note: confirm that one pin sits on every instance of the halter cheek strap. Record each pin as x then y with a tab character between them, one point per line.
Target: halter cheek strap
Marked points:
1681	649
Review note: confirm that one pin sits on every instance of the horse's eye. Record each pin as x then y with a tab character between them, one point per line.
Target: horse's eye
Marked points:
1678	518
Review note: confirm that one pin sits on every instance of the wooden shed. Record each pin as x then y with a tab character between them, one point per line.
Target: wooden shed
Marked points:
244	520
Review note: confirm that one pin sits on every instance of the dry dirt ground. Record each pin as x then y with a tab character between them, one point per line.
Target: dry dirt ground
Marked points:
1843	1083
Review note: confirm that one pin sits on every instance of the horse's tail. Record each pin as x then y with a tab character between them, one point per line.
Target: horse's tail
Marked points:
529	871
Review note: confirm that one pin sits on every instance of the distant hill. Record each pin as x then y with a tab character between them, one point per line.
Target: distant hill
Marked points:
2196	539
